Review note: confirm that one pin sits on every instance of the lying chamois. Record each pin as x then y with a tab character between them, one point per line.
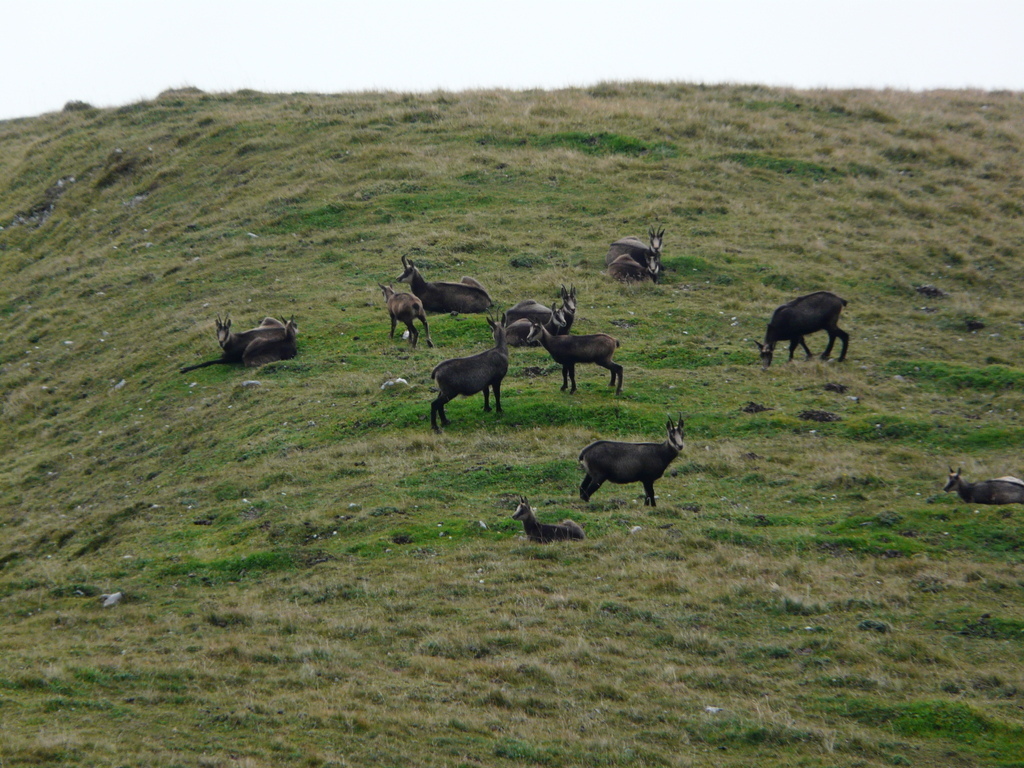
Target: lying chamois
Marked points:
533	310
1002	490
545	532
406	307
469	375
639	269
567	351
804	315
629	462
637	249
445	297
558	325
269	342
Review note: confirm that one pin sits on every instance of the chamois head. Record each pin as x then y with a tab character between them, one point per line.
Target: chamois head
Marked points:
523	510
656	238
407	273
223	329
766	351
388	291
954	479
675	433
569	298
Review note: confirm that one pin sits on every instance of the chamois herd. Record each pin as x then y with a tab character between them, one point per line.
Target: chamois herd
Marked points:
530	323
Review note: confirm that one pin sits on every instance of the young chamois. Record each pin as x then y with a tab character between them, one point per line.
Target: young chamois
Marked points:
546	532
1002	490
469	375
406	307
635	269
445	297
637	249
629	462
270	341
804	315
567	351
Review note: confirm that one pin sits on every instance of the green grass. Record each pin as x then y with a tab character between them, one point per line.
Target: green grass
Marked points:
311	577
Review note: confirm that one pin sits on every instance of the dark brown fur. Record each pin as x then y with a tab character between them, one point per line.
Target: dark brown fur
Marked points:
406	307
1002	490
467	296
270	341
546	532
804	315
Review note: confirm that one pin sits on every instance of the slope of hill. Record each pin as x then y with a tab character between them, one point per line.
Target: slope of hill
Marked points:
312	577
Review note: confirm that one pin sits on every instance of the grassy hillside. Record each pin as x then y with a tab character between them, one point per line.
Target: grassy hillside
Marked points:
312	577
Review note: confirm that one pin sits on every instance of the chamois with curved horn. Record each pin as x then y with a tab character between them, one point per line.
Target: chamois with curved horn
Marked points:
445	297
818	311
637	249
1002	490
270	341
469	375
546	532
567	351
629	462
406	307
627	269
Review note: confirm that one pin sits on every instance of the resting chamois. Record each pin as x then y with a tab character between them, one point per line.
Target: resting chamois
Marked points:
445	297
546	532
269	342
567	351
469	375
1002	490
637	249
629	462
558	324
635	269
406	307
804	315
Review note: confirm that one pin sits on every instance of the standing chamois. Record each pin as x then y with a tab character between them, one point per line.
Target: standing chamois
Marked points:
1002	490
567	351
629	462
814	312
637	249
406	307
445	297
545	532
469	375
269	342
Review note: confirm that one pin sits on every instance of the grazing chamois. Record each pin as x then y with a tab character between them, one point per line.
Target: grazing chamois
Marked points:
567	351
406	307
469	375
627	269
546	532
804	315
445	297
1002	490
270	341
637	249
629	462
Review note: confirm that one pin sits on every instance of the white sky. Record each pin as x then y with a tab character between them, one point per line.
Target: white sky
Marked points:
116	52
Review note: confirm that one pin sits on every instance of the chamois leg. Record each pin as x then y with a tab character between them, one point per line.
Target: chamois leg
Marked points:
845	338
496	387
565	377
588	487
649	493
394	322
413	333
831	342
426	329
436	407
616	370
572	377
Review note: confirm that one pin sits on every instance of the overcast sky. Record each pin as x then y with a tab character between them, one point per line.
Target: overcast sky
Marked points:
116	52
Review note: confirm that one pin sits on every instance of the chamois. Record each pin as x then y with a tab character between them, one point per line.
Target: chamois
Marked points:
529	309
1002	490
558	325
629	269
270	341
445	297
469	375
406	307
546	532
637	249
804	315
567	351
629	462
